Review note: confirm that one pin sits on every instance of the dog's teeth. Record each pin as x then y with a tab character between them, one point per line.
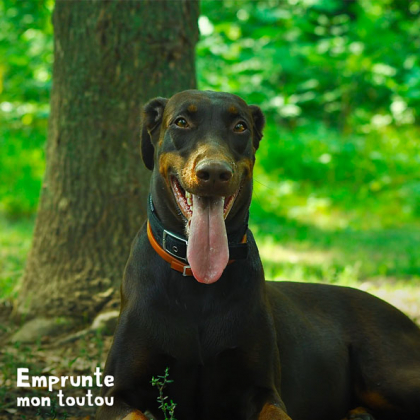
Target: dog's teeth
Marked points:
188	196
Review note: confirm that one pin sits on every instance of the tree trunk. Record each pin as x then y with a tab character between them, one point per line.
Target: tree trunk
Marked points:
110	57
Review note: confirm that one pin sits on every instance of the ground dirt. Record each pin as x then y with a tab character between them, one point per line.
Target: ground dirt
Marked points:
49	357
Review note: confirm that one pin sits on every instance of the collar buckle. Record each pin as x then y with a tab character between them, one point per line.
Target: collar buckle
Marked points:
172	250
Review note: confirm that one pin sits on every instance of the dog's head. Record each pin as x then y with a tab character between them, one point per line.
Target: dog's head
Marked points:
201	147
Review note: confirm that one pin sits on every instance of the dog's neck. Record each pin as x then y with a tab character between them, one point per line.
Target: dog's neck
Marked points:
172	247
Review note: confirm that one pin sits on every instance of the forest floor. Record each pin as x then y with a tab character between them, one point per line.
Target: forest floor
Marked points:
46	358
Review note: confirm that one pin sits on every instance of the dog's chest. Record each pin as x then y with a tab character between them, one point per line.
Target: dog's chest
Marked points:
208	391
193	340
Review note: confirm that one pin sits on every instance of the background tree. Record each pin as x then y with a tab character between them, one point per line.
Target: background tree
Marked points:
109	58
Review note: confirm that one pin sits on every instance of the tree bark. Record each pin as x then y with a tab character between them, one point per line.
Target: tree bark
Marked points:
110	57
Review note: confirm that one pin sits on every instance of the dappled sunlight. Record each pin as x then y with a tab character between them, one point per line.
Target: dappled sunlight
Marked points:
403	295
272	252
287	197
282	262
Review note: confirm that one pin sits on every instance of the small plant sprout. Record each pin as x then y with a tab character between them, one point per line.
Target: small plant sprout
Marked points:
167	408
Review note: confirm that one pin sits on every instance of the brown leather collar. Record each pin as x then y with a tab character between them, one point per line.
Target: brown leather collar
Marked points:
175	263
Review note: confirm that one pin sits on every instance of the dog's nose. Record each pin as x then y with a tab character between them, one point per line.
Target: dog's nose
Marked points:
213	172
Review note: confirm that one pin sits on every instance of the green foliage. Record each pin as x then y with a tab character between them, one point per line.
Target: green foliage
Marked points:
368	181
25	83
341	100
297	251
318	60
168	408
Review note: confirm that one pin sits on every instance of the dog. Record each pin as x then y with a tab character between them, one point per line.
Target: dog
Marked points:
194	297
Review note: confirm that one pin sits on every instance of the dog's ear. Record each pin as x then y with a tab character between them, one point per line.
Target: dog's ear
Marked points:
150	129
258	122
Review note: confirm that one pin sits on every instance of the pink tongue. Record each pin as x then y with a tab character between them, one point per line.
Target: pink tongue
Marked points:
208	251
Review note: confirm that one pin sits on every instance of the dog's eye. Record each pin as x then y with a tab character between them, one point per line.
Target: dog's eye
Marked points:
181	122
240	127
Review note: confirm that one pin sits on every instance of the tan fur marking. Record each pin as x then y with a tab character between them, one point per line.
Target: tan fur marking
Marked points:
355	412
246	166
161	138
192	108
232	110
376	401
271	412
170	160
135	415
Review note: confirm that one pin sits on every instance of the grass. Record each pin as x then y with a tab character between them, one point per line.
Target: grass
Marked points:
333	246
384	263
333	255
304	233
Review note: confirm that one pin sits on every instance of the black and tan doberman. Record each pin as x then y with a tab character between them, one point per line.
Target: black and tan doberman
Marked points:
194	297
